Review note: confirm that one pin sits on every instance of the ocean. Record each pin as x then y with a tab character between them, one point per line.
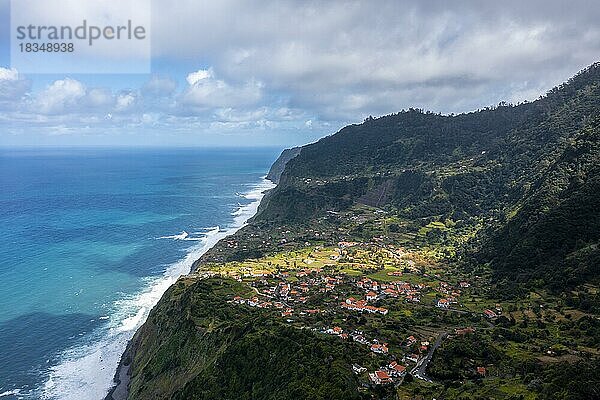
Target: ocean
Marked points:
91	238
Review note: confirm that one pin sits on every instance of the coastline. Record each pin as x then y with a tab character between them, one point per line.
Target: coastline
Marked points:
119	389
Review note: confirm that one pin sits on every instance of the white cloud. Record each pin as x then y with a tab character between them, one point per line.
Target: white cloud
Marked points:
194	77
207	93
7	74
99	98
61	96
69	99
13	88
125	101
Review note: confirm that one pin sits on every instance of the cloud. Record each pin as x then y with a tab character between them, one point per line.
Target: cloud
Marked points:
199	75
12	88
99	98
311	67
125	101
344	59
205	92
7	74
61	96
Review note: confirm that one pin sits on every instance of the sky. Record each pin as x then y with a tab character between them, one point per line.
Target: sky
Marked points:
250	73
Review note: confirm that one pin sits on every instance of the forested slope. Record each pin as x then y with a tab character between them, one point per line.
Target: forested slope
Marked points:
530	170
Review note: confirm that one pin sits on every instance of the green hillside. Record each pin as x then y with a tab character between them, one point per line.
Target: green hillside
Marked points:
529	170
196	345
496	212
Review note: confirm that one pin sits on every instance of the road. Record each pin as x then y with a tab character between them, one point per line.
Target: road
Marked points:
419	370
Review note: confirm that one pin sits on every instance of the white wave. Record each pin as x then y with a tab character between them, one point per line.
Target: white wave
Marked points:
186	236
13	392
208	230
130	323
213	230
87	371
182	236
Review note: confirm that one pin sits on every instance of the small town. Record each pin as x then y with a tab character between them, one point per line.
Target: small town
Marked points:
342	292
390	297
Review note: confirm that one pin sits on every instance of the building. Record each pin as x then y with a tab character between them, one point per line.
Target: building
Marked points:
379	348
336	330
412	357
397	369
380	377
443	303
464	331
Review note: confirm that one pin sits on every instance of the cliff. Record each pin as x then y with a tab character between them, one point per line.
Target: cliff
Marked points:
279	164
197	345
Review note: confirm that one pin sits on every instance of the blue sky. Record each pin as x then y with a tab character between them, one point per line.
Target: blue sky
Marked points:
286	73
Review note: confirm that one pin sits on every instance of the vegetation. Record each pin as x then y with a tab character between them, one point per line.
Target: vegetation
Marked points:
530	171
196	345
480	230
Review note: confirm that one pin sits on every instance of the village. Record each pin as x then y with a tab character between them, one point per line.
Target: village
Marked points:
328	297
398	305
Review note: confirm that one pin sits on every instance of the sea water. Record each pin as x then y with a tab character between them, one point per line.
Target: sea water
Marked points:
89	241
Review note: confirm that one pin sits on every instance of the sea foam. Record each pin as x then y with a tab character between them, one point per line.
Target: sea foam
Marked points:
87	371
14	392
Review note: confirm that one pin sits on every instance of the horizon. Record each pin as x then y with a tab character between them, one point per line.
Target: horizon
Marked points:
300	200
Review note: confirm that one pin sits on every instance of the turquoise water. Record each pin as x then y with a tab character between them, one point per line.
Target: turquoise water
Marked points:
90	240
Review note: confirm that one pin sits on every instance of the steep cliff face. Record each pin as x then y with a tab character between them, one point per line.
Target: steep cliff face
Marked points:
529	171
279	164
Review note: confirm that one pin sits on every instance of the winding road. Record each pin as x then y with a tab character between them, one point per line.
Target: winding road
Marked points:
419	370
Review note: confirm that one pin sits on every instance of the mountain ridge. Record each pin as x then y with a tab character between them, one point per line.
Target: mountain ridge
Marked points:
506	165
